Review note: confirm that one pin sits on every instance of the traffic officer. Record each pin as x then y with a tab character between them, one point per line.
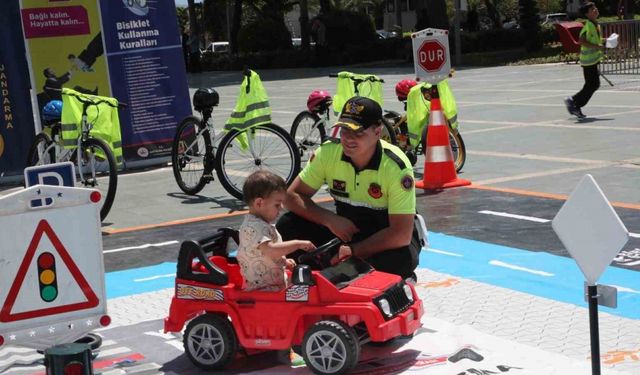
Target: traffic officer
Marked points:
372	184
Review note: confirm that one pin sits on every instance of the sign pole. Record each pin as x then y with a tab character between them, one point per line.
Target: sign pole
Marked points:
592	294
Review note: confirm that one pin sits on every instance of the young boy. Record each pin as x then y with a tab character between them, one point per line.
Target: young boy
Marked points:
262	252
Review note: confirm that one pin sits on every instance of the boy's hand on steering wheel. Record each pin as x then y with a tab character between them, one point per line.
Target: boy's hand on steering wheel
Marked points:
343	253
342	227
306	245
289	263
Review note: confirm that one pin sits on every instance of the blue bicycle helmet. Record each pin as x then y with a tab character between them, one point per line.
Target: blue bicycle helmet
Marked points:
52	110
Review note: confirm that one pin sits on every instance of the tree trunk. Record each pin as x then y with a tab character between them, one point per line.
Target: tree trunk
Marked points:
304	24
194	38
235	28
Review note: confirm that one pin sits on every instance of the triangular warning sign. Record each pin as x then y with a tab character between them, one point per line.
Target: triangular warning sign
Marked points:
92	300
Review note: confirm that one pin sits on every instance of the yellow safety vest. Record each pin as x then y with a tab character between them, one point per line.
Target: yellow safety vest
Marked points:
418	109
104	117
252	108
588	55
344	91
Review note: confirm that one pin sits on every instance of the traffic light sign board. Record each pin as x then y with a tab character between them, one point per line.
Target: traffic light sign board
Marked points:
47	279
52	290
431	59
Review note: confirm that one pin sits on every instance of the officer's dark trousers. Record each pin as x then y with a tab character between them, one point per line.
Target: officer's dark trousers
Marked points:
591	84
397	261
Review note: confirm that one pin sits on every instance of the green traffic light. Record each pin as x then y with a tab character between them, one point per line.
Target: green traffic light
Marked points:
49	293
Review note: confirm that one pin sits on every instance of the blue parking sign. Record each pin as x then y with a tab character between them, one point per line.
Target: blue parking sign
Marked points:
60	174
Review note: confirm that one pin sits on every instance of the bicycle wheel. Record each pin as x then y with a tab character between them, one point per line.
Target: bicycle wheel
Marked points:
188	156
458	149
37	155
261	147
307	133
97	170
388	133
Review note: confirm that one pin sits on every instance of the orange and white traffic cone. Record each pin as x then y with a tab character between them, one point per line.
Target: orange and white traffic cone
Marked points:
439	169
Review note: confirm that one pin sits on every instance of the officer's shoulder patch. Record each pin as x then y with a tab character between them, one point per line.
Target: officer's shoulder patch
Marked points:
393	156
407	182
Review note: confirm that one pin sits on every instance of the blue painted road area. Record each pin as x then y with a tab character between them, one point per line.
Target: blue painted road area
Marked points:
533	272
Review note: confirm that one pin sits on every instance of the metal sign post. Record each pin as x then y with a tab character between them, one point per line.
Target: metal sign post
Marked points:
593	234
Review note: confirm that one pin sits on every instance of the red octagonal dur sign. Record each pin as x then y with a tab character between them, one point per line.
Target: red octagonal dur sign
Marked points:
432	55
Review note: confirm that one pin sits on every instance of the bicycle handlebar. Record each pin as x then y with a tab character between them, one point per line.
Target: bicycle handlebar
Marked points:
97	101
359	80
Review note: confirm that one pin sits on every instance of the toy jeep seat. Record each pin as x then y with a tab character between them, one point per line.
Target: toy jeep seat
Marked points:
212	262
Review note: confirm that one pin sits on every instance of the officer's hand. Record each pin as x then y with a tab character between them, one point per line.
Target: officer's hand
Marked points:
342	227
343	253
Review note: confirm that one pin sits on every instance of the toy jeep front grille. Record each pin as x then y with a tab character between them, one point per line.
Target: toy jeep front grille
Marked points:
397	301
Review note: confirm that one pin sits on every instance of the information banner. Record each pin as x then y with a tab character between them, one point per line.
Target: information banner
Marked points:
65	46
145	57
16	119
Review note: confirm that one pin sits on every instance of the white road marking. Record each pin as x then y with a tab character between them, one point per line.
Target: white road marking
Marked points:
551	172
444	252
155	277
625	289
519	268
166	243
114	351
514	216
532	218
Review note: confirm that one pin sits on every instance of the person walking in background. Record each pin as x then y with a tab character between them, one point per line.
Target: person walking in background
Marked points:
591	47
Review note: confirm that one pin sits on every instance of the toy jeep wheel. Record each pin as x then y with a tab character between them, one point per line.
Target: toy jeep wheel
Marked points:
210	342
330	347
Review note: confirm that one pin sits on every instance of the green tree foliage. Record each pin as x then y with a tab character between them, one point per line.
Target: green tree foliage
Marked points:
529	24
346	28
264	34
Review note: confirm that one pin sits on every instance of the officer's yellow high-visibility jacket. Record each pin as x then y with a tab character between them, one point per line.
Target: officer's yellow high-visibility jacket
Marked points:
252	108
103	116
370	88
418	109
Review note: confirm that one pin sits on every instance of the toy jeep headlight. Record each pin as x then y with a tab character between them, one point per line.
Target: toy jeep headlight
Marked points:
385	306
407	292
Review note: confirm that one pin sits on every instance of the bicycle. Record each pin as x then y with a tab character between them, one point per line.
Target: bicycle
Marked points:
309	128
197	150
93	159
398	122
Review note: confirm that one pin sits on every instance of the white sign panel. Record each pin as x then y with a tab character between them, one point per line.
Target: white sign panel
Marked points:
590	229
431	59
52	287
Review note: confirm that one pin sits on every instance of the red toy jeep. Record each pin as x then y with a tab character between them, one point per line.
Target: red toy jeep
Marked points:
328	314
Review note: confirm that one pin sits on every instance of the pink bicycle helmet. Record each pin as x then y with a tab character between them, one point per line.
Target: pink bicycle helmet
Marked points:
319	100
403	87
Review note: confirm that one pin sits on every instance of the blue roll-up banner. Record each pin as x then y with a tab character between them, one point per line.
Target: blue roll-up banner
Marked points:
147	71
16	120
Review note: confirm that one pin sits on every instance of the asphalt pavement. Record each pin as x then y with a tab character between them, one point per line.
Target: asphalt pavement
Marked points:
525	155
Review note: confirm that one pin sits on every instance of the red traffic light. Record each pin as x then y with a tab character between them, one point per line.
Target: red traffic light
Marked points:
74	368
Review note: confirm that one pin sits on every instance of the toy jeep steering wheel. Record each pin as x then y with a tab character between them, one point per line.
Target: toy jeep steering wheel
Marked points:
321	256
